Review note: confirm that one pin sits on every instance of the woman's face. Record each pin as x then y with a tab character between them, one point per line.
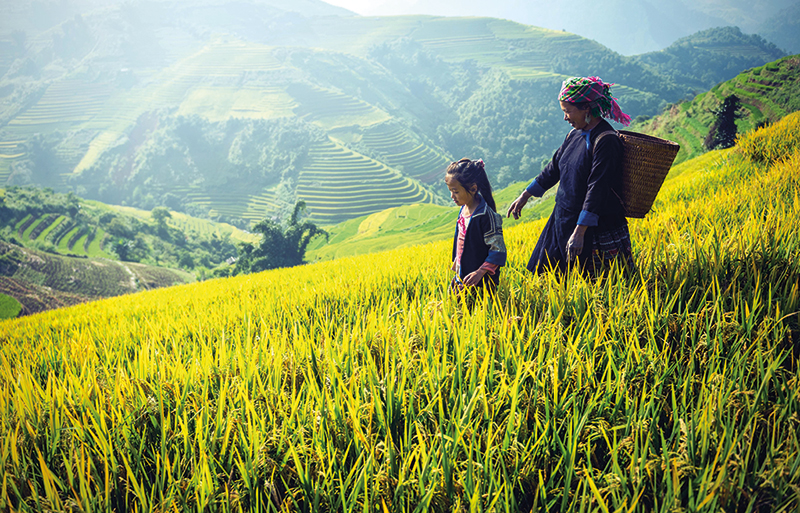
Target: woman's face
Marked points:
575	116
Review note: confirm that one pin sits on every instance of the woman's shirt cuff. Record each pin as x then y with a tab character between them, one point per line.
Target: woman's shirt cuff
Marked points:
588	219
535	189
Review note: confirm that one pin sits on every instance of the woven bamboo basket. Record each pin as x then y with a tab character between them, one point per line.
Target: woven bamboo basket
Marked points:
645	163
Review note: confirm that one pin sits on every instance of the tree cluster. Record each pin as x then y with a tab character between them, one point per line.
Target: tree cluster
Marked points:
281	245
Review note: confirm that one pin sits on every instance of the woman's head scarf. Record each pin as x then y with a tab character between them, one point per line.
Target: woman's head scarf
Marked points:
592	90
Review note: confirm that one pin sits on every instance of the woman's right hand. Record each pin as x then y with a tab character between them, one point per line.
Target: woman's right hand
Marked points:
516	206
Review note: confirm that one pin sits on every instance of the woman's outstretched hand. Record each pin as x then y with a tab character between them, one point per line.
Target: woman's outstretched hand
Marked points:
516	206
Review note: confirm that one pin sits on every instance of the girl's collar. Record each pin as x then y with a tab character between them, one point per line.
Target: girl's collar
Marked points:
479	205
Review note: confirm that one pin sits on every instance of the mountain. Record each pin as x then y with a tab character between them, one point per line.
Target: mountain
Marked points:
234	112
686	60
630	27
783	29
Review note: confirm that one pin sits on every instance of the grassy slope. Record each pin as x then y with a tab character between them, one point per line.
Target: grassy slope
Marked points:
187	224
9	307
360	382
767	93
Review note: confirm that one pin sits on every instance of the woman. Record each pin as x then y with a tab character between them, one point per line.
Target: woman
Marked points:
588	222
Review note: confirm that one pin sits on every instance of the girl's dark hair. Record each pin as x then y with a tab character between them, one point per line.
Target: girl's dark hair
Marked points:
469	172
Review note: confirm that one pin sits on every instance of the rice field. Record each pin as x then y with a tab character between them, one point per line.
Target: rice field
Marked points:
68	237
500	43
332	109
64	103
250	102
337	184
360	384
401	151
10	151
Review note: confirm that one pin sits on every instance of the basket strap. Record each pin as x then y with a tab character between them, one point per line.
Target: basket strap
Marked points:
607	132
591	152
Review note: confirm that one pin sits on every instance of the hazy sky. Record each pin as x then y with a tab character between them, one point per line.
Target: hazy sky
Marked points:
438	7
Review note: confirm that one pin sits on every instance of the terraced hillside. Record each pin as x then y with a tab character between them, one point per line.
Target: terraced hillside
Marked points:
42	281
214	69
488	41
68	236
767	94
338	184
65	225
333	109
65	104
401	151
10	151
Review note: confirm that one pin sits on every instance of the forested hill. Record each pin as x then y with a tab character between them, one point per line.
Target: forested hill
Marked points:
235	112
731	50
766	94
58	250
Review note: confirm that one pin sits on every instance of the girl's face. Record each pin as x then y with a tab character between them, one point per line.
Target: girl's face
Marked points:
460	195
574	116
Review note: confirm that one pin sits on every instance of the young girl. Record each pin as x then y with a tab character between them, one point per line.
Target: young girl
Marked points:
478	246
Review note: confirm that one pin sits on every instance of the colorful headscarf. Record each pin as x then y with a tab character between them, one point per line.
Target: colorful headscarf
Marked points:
597	94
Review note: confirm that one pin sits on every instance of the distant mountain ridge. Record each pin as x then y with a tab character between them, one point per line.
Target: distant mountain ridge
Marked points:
630	27
683	60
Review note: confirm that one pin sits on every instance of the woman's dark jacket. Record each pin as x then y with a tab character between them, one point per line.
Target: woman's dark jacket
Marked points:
589	178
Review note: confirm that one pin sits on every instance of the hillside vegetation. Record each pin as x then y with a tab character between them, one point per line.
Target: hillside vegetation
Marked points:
361	384
767	93
58	250
68	225
235	112
39	281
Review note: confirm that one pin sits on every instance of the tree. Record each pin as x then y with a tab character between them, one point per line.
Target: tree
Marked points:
160	215
279	246
722	133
